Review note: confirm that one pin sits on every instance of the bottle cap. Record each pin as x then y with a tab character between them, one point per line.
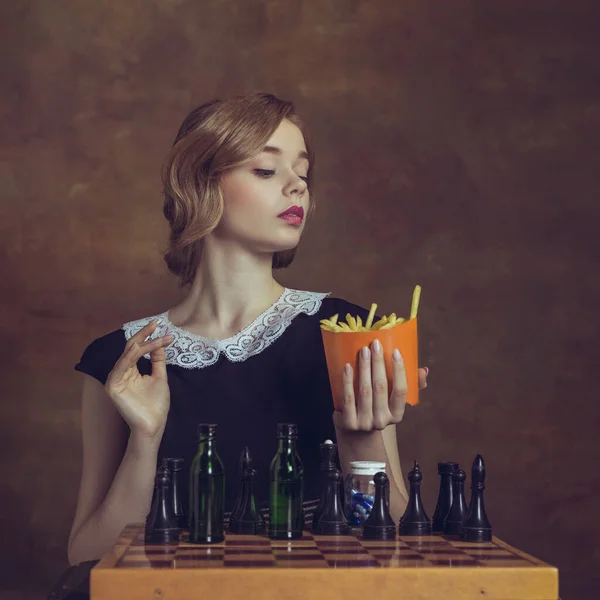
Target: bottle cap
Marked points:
287	430
366	467
207	429
175	463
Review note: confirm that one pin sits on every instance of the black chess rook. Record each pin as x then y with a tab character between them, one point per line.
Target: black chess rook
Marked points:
380	525
458	510
444	502
161	522
476	527
415	521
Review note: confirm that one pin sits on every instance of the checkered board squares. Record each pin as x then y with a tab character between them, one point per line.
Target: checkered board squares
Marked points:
347	567
242	551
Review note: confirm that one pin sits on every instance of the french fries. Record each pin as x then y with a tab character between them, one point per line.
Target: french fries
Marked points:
355	324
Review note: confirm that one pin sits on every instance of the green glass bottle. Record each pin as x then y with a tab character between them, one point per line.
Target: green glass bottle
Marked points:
286	486
207	490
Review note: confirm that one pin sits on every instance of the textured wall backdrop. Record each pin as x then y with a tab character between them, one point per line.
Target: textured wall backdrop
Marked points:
457	148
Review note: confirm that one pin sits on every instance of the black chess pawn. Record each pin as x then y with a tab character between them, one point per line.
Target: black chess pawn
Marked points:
380	525
247	520
175	466
328	452
161	522
476	527
332	520
444	502
244	465
415	521
458	509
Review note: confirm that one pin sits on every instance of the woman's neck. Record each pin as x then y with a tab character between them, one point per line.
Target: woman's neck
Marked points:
227	295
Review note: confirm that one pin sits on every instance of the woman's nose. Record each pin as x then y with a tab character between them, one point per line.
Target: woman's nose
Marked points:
298	186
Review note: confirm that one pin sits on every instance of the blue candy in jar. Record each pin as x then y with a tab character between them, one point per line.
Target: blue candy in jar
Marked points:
359	490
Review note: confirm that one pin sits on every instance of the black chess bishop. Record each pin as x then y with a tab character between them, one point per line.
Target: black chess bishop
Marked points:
476	527
415	521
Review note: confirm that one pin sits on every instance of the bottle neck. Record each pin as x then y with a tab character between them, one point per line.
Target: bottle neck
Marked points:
206	443
287	444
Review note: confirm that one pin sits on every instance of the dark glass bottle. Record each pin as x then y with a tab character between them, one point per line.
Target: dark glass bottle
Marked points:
207	490
286	486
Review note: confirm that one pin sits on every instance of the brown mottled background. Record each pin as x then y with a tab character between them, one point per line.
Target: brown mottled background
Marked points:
457	148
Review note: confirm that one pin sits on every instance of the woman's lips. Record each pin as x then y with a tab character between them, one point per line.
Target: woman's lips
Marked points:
291	218
293	215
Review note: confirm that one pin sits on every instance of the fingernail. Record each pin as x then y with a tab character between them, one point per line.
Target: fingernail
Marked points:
365	353
396	355
377	346
426	371
347	369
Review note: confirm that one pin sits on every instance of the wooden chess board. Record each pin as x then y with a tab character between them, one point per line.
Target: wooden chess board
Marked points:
344	567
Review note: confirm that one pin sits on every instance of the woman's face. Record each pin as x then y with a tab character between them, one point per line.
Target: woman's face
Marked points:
256	194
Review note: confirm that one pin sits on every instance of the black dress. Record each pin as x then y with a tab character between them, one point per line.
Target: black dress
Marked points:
274	371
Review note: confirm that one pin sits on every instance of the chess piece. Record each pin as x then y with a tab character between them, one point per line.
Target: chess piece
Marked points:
380	525
245	464
161	522
332	520
247	520
175	466
458	509
444	502
476	527
415	521
328	455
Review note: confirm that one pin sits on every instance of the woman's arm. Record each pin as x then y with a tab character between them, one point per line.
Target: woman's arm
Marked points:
380	446
117	476
119	468
366	425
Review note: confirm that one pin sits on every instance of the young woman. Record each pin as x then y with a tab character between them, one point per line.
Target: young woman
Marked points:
240	350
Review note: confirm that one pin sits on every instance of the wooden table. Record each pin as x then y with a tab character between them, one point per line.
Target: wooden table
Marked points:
313	567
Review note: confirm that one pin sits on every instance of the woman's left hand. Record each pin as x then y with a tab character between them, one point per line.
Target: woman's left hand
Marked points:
375	408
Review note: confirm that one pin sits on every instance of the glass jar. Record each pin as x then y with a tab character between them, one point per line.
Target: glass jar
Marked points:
359	490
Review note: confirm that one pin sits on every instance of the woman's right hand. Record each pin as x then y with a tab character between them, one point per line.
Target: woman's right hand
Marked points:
142	400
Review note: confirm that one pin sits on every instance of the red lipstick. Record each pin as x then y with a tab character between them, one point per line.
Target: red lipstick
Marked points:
293	215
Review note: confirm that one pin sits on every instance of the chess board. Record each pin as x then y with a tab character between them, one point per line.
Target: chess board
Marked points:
342	567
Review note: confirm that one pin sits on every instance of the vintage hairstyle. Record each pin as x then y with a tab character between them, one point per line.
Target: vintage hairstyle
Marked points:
213	139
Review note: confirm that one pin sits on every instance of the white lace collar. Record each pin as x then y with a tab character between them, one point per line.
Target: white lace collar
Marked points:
196	352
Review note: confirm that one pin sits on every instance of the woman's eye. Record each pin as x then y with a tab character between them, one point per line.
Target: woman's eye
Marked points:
264	172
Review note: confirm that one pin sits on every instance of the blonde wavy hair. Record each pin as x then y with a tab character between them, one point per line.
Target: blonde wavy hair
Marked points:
213	139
